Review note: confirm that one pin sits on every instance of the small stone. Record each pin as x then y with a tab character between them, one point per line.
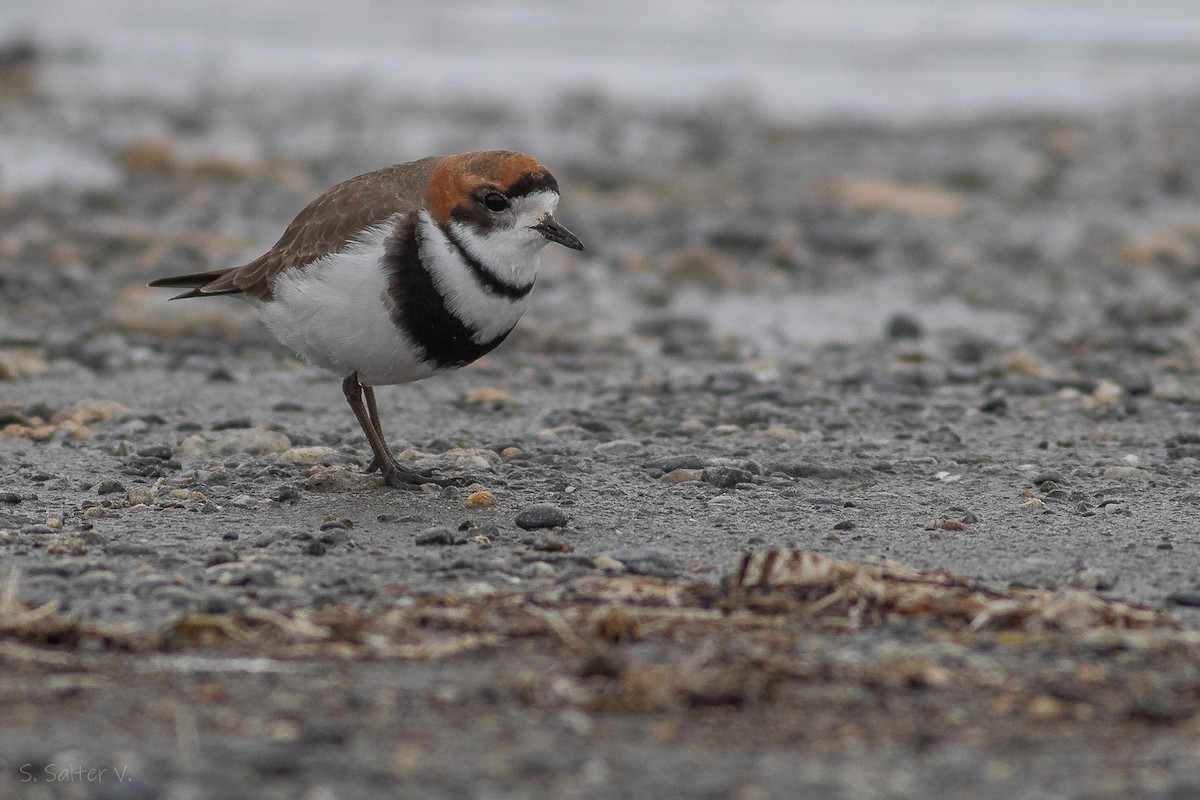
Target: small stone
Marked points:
541	515
109	487
1126	474
160	451
1045	708
608	564
541	570
552	544
726	477
660	466
1095	579
242	574
647	561
622	447
904	326
486	396
96	512
222	556
67	546
845	525
140	496
1185	599
308	455
480	500
341	480
313	548
255	441
509	452
683	476
436	535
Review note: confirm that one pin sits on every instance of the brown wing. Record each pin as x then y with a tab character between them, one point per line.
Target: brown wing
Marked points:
329	222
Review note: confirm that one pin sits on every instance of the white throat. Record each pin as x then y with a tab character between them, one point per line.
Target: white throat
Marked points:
512	259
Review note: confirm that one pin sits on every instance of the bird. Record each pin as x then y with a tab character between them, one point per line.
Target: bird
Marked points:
400	274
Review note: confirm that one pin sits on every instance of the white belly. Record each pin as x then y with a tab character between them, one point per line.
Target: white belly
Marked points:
335	314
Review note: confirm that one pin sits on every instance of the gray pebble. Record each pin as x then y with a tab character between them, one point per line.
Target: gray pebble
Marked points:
177	596
647	561
216	602
221	556
541	515
437	535
661	466
242	574
97	580
149	585
109	487
1095	579
904	326
726	477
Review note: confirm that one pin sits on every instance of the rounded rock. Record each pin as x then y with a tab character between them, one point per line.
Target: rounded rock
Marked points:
541	515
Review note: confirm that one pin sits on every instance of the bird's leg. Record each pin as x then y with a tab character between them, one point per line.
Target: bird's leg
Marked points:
373	412
383	460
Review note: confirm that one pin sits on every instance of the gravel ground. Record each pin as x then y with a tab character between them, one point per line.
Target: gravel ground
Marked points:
966	348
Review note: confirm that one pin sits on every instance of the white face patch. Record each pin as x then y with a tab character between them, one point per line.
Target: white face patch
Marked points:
509	251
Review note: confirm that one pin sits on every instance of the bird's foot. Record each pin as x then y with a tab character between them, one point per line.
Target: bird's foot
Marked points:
410	479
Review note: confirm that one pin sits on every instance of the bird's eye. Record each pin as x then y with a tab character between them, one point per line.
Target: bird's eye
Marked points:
495	201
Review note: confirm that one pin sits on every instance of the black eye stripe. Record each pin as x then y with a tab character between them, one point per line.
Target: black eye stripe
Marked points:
533	182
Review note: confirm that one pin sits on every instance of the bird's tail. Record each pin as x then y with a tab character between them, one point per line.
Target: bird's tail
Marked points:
196	283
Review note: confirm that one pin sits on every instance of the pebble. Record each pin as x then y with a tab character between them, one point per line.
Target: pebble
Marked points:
176	596
1095	579
140	496
480	500
342	480
620	447
1126	474
682	476
647	561
109	487
904	326
221	556
160	451
660	466
242	574
255	441
67	546
308	455
541	515
96	580
438	535
542	570
608	564
1185	599
552	544
313	548
726	477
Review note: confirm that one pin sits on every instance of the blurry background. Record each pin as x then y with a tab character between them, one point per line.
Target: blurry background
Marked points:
877	157
800	58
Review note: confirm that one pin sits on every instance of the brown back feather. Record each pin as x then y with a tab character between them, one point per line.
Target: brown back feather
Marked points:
329	222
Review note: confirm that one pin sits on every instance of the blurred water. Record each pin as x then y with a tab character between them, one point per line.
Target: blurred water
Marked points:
908	59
